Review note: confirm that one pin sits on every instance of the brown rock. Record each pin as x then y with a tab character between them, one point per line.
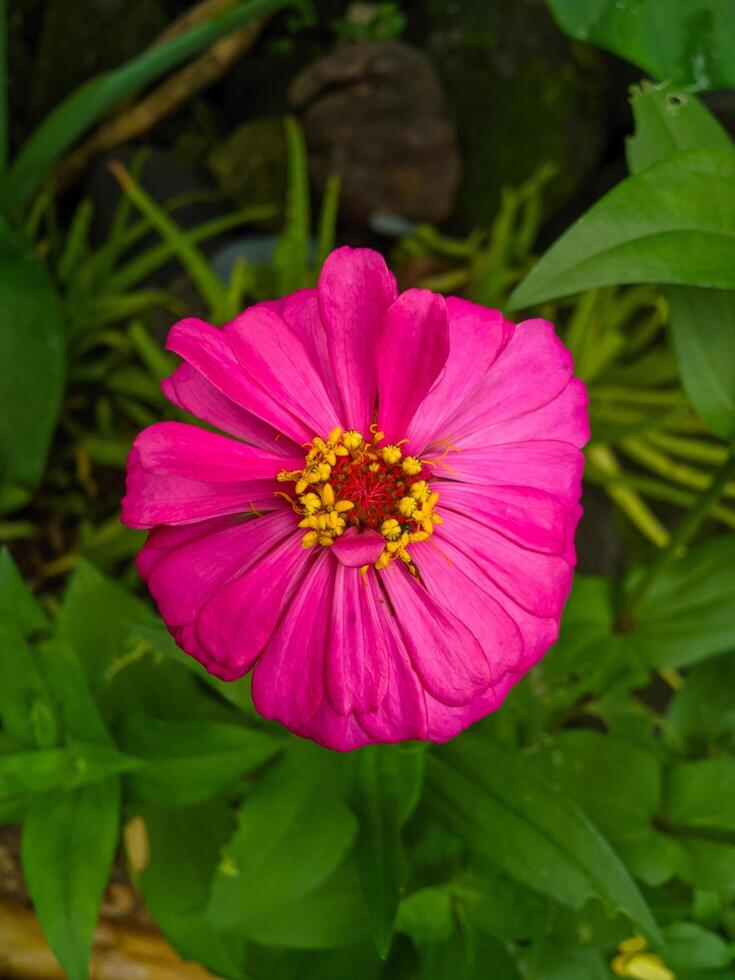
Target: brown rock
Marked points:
375	113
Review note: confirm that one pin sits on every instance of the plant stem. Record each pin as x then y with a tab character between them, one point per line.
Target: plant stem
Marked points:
680	538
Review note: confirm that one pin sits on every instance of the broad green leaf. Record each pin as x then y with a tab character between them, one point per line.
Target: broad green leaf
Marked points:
498	804
689	41
689	612
67	768
17	606
130	659
188	762
387	786
668	120
618	784
702	320
27	709
687	946
89	102
68	844
672	223
184	850
702	794
426	915
31	361
550	962
497	906
332	915
292	832
703	710
69	691
468	958
706	864
703	328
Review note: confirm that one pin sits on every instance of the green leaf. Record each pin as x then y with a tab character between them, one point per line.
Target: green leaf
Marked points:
67	768
498	804
292	832
129	657
184	850
689	41
668	120
31	361
687	946
69	691
702	794
18	608
188	762
27	710
618	784
497	906
672	223
291	257
387	786
67	848
426	915
688	614
468	958
332	915
90	102
704	708
702	320
703	328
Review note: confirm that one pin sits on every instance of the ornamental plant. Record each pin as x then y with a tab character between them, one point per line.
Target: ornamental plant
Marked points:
390	543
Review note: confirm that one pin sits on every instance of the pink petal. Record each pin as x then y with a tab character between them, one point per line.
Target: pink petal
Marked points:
152	499
537	582
207	349
412	350
555	467
476	338
445	654
538	632
179	449
277	360
190	390
355	289
493	628
237	621
531	518
163	539
191	572
357	653
300	310
565	419
530	372
288	679
402	713
357	548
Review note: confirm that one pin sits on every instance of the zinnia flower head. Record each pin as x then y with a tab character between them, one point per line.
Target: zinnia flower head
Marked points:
385	533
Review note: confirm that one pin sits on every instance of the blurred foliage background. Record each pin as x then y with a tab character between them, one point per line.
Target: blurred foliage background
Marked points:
571	159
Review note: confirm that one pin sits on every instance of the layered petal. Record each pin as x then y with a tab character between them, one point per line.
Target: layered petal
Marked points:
445	654
413	347
355	289
357	654
207	349
300	310
554	467
277	360
237	621
190	390
179	474
188	573
532	369
288	679
477	336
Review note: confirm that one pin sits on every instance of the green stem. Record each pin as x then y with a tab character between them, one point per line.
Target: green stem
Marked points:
680	538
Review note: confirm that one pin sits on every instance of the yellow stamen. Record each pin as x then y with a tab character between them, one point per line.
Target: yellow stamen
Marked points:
390	529
309	539
390	454
351	439
411	466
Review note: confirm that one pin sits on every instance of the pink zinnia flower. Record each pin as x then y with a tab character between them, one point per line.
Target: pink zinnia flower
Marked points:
386	533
